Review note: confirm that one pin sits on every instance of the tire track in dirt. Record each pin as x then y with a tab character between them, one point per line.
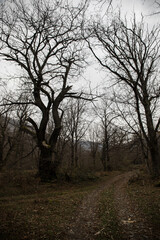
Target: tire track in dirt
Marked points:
133	224
85	224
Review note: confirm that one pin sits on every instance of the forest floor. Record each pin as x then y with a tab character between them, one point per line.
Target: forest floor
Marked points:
115	206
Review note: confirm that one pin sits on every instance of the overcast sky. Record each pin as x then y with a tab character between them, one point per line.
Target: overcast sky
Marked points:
144	7
138	7
128	8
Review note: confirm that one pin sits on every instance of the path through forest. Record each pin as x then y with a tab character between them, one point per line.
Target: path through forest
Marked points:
85	224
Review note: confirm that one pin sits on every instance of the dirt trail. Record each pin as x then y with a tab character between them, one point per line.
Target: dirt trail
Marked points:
85	225
134	225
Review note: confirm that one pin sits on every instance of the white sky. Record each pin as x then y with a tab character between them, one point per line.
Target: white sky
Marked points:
128	8
139	7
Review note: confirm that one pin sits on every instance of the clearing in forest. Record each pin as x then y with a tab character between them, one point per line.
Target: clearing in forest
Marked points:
109	208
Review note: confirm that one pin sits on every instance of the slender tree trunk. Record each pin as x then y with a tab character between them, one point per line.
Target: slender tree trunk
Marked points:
94	160
1	156
72	155
76	153
94	148
72	150
104	164
104	156
108	161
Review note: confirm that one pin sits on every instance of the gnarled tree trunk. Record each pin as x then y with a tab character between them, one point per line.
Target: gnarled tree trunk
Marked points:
47	165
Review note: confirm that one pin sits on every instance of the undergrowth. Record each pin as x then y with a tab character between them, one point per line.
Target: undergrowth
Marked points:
146	195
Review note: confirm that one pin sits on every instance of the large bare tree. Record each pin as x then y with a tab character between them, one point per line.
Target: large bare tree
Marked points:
43	38
130	52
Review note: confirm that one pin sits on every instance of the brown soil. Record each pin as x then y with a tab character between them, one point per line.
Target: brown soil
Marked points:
85	224
134	225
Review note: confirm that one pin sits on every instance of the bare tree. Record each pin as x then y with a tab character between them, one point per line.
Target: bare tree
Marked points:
103	111
7	134
76	126
124	109
15	144
94	142
131	55
25	145
44	39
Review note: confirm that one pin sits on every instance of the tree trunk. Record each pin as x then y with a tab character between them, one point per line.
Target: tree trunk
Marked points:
104	164
155	158
72	155
109	168
76	153
152	139
94	160
104	156
47	167
1	156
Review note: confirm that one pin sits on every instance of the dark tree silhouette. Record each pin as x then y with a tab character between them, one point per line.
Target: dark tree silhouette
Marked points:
44	39
131	55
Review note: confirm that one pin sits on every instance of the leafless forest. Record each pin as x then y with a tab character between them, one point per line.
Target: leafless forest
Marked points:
50	121
79	121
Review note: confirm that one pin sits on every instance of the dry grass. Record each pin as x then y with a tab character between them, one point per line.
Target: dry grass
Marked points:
110	228
145	193
31	210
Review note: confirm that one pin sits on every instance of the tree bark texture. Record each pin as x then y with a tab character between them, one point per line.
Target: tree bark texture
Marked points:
155	159
47	167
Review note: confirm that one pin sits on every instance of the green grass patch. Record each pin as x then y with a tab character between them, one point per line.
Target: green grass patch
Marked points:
109	223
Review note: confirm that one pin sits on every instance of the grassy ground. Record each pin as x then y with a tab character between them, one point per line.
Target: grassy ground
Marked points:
145	193
34	211
109	223
31	210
